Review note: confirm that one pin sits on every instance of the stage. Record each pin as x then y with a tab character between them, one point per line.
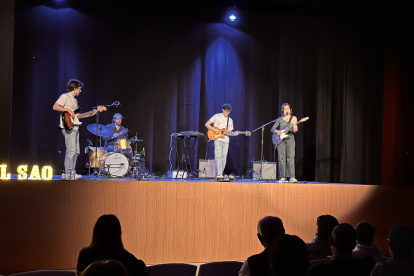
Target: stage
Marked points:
44	224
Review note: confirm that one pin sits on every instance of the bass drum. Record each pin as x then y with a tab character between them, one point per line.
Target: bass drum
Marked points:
114	164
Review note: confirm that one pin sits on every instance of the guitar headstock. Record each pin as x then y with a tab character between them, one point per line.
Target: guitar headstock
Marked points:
304	119
101	108
248	133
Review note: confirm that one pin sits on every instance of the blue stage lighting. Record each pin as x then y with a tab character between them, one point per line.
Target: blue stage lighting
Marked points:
232	17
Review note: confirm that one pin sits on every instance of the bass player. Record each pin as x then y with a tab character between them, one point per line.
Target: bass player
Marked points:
68	103
221	145
286	148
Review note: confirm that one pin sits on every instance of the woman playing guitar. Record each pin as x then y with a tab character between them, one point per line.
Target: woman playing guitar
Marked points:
286	148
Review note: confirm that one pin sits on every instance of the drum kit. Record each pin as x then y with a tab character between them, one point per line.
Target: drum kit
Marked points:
122	161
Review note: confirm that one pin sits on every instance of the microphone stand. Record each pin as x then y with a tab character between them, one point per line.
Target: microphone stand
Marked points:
261	153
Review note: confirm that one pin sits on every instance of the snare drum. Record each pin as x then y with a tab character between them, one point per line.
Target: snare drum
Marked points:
93	157
114	164
123	146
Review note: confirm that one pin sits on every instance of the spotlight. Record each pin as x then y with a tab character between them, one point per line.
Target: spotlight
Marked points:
232	16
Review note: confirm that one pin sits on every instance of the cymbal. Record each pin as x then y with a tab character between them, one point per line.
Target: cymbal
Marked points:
102	130
134	140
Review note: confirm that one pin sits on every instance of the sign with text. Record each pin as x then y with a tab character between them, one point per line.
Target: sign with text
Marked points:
22	173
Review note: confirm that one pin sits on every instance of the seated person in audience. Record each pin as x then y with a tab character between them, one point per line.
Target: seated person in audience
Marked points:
105	268
401	243
288	256
268	229
319	247
366	247
343	241
107	245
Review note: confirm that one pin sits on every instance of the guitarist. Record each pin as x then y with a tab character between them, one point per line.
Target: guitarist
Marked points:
286	148
67	102
116	128
221	145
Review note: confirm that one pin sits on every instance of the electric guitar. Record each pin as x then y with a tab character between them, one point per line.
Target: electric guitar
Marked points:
213	136
69	121
279	138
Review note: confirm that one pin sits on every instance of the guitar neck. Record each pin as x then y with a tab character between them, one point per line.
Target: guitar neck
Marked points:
83	115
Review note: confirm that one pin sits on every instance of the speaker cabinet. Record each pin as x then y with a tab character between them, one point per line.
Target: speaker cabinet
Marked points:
206	168
267	171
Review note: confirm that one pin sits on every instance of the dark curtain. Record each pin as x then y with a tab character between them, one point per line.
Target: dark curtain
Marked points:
6	76
173	76
397	163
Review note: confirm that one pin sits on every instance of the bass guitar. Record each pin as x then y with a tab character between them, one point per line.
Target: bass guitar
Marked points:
223	132
69	121
276	139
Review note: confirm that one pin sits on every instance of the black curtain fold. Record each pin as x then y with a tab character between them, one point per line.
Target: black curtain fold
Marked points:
6	76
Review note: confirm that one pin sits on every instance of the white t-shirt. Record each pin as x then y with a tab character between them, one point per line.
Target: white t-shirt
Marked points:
67	101
221	122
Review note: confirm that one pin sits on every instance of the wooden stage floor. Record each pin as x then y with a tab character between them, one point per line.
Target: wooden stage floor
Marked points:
44	224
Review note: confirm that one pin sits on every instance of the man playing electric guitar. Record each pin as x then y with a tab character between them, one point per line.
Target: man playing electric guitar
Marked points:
286	148
221	145
68	103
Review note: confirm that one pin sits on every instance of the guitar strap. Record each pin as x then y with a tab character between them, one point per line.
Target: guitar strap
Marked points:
227	127
289	121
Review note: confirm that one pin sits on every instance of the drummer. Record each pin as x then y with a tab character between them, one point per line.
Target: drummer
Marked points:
116	128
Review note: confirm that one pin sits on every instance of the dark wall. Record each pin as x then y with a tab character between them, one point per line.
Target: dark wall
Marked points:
170	76
6	75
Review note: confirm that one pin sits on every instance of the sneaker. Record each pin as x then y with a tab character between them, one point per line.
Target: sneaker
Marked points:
282	180
293	180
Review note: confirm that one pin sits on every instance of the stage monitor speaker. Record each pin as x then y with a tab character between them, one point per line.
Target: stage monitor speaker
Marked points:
206	168
269	170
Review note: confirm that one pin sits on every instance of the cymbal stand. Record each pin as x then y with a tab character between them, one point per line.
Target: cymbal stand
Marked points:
136	171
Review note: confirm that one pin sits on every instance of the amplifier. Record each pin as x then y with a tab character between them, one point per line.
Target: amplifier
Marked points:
269	170
206	168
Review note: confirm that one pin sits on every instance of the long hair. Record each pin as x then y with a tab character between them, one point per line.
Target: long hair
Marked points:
107	233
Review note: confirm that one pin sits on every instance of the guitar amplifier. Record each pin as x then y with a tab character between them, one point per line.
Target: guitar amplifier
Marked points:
206	168
269	170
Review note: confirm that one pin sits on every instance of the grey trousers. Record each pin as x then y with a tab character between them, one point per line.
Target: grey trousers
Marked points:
72	148
220	154
286	154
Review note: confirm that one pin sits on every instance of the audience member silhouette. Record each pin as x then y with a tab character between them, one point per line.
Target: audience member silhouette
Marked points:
343	241
366	247
107	245
268	229
288	256
105	268
319	247
401	243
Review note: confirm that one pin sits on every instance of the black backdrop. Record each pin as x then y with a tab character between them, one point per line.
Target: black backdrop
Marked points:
6	76
172	75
